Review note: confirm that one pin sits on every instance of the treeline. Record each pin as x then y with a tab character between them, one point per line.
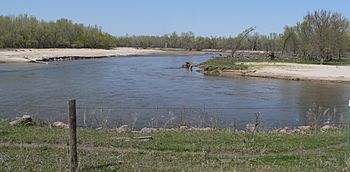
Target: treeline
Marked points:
321	35
185	40
25	31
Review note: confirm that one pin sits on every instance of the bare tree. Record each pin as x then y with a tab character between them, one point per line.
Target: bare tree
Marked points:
288	34
253	40
240	37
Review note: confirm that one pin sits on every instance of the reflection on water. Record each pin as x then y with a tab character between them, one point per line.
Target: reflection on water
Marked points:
151	91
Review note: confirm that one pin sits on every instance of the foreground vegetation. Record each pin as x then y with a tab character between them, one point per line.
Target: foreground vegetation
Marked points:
40	148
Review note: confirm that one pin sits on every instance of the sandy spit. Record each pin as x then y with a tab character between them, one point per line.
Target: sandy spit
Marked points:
292	71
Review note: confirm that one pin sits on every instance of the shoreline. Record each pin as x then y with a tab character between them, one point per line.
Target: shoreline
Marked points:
57	54
292	71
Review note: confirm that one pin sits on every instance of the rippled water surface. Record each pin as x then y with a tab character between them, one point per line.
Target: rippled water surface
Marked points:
154	91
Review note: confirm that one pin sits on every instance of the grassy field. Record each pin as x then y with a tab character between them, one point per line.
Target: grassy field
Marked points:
40	148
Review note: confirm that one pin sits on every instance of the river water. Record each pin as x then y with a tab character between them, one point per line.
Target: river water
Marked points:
153	91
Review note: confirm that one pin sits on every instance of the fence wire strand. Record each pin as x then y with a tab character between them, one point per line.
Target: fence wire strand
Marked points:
165	107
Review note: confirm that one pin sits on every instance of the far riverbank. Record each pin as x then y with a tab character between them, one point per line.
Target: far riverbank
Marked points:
40	55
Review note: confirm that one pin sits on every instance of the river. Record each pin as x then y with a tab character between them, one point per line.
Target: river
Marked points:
153	91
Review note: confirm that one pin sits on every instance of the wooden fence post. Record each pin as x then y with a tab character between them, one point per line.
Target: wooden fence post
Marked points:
72	136
347	153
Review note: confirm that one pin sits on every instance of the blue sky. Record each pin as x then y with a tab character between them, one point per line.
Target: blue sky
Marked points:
157	17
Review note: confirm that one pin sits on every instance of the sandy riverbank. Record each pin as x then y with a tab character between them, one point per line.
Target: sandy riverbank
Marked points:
27	55
292	71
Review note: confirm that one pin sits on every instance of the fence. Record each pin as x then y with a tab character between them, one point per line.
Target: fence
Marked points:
95	116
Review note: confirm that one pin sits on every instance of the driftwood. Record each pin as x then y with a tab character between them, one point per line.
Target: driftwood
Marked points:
24	120
144	138
141	138
187	65
37	61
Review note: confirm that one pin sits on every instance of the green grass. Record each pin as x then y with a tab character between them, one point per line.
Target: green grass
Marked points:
40	148
225	63
213	66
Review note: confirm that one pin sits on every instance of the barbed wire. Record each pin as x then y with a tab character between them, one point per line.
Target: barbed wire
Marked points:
169	107
192	117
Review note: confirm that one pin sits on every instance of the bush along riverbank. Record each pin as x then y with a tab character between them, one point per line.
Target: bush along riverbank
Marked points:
216	66
43	147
